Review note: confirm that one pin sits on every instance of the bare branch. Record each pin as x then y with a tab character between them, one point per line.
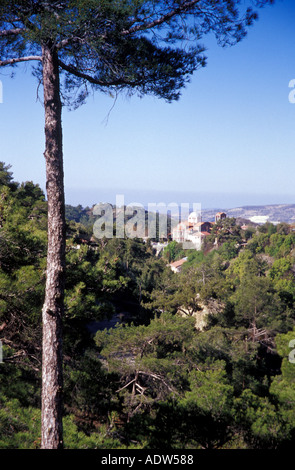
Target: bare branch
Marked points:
11	32
122	388
19	59
156	376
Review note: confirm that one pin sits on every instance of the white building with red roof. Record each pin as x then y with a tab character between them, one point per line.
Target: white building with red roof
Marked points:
194	230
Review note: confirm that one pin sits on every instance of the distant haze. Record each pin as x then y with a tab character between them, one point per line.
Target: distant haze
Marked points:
91	196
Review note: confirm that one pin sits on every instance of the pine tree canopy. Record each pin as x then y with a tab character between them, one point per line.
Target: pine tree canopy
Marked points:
148	47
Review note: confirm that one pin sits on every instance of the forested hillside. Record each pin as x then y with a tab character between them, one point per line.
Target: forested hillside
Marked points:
198	359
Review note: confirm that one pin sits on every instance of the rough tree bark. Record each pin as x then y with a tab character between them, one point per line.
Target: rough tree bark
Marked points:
52	314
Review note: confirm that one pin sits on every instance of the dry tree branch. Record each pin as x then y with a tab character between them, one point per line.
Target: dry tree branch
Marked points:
19	59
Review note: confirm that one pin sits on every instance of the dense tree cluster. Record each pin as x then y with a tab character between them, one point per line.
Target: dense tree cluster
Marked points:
160	377
143	47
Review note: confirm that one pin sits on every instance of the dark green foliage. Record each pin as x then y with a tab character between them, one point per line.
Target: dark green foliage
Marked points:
80	215
173	251
155	380
144	47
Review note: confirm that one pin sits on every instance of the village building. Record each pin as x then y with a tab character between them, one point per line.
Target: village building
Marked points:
203	227
194	230
176	266
194	218
220	216
179	233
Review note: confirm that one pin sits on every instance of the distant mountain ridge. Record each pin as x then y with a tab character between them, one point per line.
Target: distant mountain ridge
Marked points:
259	214
273	213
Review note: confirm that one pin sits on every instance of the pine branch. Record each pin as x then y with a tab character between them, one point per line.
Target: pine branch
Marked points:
163	19
73	70
19	59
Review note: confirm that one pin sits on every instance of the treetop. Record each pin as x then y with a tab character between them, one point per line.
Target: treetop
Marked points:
149	47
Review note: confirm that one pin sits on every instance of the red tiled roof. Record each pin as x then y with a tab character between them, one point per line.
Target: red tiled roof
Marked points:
178	263
202	223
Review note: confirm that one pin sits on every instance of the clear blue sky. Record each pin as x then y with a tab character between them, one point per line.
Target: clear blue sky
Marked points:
228	141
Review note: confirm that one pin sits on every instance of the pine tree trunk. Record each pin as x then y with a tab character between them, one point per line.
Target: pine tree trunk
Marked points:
52	314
